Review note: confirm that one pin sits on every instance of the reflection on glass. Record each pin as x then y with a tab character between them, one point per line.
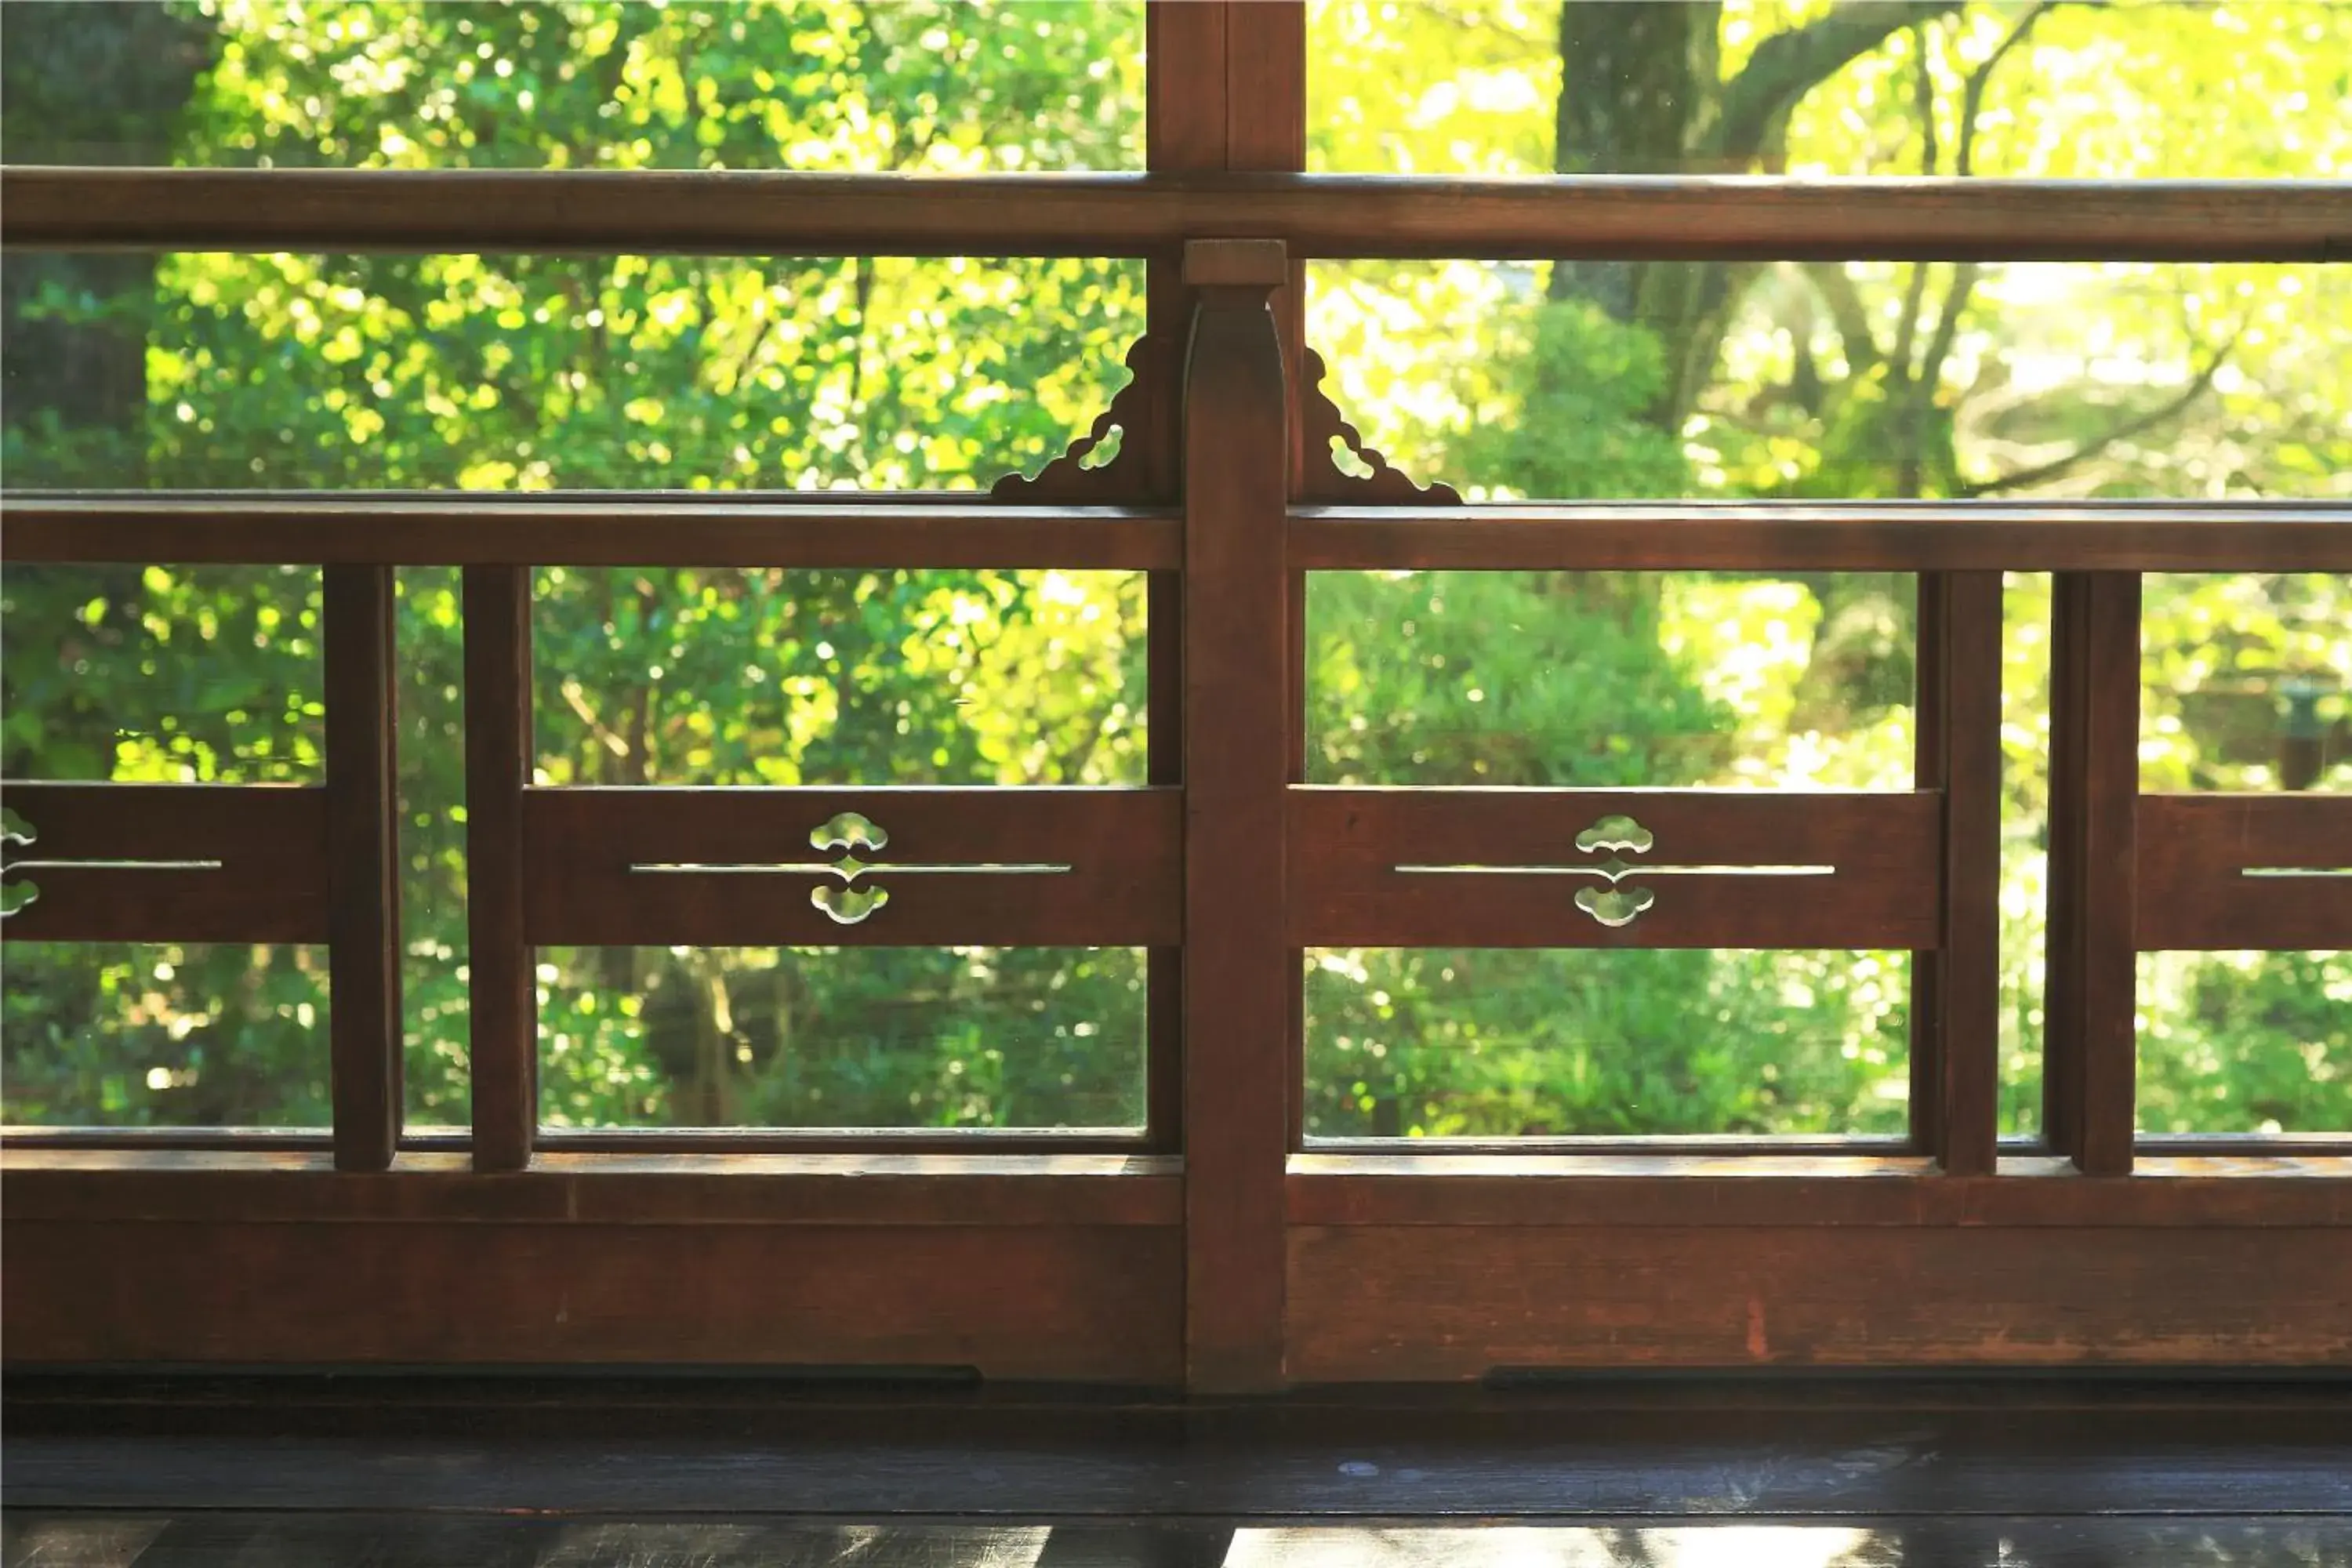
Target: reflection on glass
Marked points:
2245	1042
99	1541
531	373
2024	845
915	86
165	1034
1611	679
684	676
2246	681
1845	380
2244	686
849	1038
1511	1042
2127	89
161	674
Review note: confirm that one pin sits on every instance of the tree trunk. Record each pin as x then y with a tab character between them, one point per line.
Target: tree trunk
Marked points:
1641	92
103	81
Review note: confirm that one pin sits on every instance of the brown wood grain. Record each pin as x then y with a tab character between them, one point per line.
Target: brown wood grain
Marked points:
1123	848
363	841
1964	990
1372	1303
2195	849
761	213
1094	1303
1346	844
2066	893
271	841
1237	973
1671	1191
860	1188
587	530
2102	707
502	989
1830	536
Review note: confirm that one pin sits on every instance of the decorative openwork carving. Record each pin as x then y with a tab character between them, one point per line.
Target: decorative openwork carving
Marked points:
1616	905
1137	411
14	830
1377	482
850	833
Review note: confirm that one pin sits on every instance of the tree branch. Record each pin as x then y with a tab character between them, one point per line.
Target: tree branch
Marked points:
2057	467
1847	313
1789	65
1972	95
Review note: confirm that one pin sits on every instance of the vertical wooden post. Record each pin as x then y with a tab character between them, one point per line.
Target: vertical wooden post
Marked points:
2089	1002
1184	131
1955	1026
1225	89
363	920
497	764
1238	975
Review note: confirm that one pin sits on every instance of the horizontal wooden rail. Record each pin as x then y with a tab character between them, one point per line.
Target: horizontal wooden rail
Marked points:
724	867
1812	536
775	213
1020	1266
485	531
869	1187
133	862
1509	868
748	528
1703	1191
2236	871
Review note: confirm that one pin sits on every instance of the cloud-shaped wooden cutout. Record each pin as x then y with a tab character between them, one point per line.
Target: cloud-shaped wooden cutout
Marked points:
14	829
1616	833
847	905
1615	906
847	831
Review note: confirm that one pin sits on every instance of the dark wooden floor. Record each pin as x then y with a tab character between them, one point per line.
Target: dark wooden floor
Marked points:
411	1540
339	1472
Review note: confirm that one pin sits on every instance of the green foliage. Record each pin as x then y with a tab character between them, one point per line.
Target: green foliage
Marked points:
524	372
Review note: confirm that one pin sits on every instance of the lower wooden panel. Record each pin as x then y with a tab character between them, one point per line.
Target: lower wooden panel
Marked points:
1408	1303
1099	1303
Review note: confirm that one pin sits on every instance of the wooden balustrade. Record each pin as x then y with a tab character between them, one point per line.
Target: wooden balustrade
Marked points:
1215	1247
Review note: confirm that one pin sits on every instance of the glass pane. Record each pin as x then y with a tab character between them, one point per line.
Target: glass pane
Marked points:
2117	91
200	370
1845	380
1611	679
677	677
215	675
435	1006
2246	681
2024	845
2245	1042
1501	1043
914	86
161	674
2244	686
165	1034
841	1037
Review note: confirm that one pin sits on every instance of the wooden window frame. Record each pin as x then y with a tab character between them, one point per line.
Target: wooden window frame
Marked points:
1219	1252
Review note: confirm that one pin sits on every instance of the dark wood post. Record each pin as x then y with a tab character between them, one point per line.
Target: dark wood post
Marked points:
362	836
497	764
1955	990
2091	1034
1238	975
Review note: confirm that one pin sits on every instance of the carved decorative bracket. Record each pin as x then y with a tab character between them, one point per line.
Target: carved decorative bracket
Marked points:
1324	481
1139	411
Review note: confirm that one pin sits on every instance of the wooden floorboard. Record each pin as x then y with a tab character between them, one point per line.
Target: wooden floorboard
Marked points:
1817	1455
408	1541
